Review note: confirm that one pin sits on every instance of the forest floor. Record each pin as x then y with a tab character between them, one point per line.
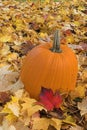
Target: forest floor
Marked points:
24	25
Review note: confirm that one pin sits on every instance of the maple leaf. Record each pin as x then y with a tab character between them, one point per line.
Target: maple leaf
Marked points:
30	106
12	109
38	123
50	100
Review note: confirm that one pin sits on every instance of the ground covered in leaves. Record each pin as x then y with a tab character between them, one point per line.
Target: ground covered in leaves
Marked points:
24	25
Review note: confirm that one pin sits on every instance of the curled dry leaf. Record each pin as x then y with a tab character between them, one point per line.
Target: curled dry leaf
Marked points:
76	128
7	77
4	97
83	106
9	80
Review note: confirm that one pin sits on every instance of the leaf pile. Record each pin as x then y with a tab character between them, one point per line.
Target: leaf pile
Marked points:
23	25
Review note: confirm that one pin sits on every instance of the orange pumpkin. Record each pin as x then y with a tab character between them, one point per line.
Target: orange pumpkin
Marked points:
50	67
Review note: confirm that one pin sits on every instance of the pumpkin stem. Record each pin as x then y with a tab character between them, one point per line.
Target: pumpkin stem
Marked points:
56	44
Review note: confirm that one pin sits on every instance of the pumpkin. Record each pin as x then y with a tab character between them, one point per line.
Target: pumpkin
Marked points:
51	67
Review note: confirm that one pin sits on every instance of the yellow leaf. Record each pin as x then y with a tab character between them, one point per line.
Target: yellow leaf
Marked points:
19	24
12	109
81	7
43	123
12	56
47	1
69	120
5	38
10	116
84	75
78	92
43	35
4	50
14	99
39	19
7	29
76	23
30	106
70	39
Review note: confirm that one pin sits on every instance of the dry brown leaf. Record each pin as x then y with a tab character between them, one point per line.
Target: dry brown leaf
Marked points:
83	106
76	128
7	77
20	126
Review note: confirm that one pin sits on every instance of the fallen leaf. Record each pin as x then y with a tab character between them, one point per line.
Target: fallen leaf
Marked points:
25	47
37	123
5	38
78	92
4	97
49	99
83	106
29	105
8	79
84	46
16	86
12	109
76	128
20	126
7	126
69	120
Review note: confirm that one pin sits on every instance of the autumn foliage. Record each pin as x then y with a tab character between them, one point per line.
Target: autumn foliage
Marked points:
23	26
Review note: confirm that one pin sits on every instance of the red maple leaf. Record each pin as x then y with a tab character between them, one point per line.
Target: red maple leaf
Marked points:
49	99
